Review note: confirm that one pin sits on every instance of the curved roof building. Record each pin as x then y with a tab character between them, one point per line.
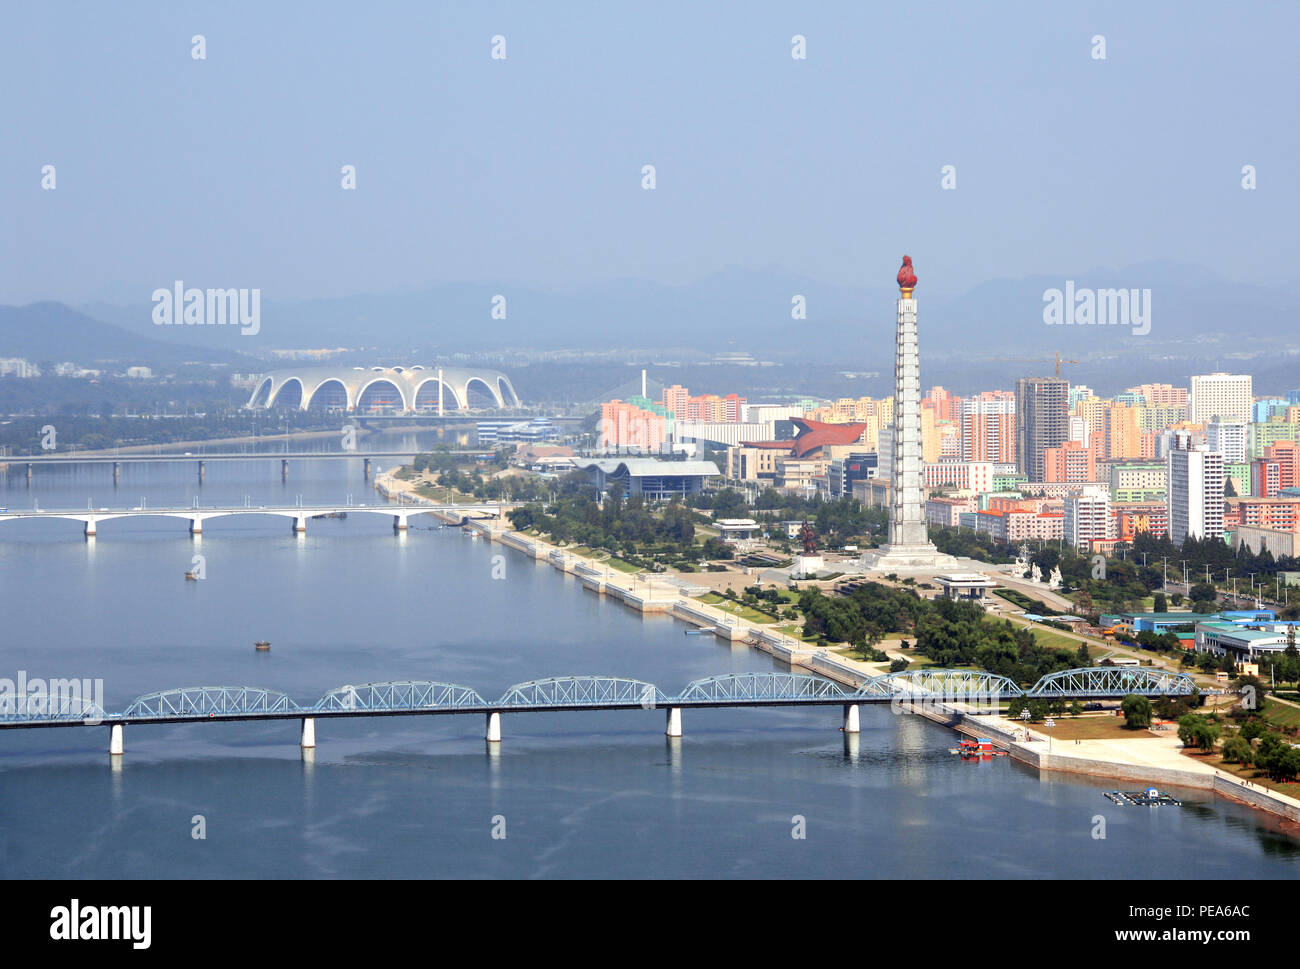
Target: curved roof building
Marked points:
391	390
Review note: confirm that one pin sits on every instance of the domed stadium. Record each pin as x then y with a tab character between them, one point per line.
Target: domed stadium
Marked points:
385	390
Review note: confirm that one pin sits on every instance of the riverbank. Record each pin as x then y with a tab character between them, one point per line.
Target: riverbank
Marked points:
243	440
1152	760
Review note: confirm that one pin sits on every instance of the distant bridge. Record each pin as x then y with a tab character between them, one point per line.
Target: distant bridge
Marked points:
207	704
201	458
400	513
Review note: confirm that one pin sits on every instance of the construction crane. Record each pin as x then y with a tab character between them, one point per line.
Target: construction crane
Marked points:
1059	361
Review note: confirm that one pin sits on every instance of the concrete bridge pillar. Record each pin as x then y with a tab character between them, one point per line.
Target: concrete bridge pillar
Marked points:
117	471
29	474
90	528
300	524
202	471
851	718
284	469
196	526
115	740
365	468
674	722
308	733
494	728
399	523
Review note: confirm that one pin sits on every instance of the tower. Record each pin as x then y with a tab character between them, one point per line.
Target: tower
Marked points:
909	547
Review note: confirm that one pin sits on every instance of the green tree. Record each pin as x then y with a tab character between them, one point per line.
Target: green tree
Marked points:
1137	711
1237	750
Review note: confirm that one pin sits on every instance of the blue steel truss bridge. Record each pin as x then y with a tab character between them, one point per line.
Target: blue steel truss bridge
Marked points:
962	689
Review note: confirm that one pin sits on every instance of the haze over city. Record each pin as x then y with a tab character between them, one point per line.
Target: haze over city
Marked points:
691	442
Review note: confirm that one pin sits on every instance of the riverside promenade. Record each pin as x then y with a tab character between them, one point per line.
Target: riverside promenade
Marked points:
1152	759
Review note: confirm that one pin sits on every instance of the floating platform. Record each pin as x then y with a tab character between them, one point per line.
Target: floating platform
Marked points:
1148	798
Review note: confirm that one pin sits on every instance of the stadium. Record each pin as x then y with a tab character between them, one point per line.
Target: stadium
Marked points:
385	390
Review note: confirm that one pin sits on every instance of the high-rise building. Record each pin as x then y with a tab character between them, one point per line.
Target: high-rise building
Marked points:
1195	496
1265	478
1224	395
988	427
1087	518
1287	456
1042	421
1069	462
1163	395
1229	438
1123	432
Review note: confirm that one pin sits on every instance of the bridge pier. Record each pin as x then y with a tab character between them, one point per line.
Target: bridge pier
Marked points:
29	474
284	469
117	471
365	468
90	528
202	472
494	728
115	740
196	526
308	733
851	718
399	523
300	525
674	728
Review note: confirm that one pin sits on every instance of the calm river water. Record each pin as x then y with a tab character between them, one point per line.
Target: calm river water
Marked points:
575	794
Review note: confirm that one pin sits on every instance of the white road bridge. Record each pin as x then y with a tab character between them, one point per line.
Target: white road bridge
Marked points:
297	514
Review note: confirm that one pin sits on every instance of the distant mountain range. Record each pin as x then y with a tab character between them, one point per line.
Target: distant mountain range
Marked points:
751	310
1198	321
55	333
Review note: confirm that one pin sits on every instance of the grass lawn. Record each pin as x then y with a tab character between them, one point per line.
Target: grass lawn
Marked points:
795	630
915	661
1046	635
1092	728
744	612
622	566
1280	715
1053	639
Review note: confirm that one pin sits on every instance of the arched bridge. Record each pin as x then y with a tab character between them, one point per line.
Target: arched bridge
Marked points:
427	697
299	515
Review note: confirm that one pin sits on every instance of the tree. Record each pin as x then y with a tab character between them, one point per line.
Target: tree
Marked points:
1196	731
1237	750
716	548
1137	711
1160	604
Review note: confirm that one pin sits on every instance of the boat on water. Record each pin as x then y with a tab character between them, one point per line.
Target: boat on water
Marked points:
191	576
262	645
698	632
1151	797
977	747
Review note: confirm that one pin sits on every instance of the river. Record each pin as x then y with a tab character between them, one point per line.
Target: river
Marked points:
567	794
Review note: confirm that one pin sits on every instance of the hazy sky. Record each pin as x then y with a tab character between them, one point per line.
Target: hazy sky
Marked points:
226	171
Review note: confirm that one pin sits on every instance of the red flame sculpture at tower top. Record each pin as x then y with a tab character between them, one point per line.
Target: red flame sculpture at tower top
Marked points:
906	277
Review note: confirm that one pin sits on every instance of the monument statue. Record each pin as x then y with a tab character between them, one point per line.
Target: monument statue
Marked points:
808	535
1021	569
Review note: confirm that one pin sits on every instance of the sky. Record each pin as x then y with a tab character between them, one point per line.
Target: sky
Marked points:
226	171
